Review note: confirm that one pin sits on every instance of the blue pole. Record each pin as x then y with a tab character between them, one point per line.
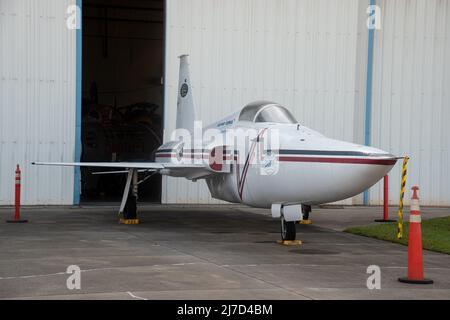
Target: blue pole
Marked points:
78	100
368	107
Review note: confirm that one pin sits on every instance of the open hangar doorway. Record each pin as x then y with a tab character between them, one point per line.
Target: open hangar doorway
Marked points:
122	106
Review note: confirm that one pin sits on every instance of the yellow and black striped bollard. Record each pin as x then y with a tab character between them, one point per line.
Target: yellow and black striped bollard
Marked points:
402	194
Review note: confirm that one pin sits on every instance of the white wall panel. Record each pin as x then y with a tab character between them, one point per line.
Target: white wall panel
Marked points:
411	100
37	99
309	55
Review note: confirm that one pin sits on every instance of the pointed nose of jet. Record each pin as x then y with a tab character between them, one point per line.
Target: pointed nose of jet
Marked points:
365	167
364	152
373	165
374	152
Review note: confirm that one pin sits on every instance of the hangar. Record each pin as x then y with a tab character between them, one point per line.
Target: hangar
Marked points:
105	88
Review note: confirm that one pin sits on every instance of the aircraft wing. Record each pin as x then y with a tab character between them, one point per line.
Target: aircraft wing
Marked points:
134	165
130	165
187	170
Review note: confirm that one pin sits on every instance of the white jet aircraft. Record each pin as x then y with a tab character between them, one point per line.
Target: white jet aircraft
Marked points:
299	168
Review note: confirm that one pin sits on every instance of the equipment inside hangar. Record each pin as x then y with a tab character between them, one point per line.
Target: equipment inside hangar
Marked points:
122	105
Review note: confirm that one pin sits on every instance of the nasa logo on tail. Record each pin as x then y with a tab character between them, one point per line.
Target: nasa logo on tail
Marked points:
184	90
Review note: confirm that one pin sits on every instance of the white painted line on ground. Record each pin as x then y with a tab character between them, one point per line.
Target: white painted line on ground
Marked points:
136	297
223	266
97	269
32	276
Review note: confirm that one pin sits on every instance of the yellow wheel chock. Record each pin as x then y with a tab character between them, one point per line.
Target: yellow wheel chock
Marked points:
289	242
129	221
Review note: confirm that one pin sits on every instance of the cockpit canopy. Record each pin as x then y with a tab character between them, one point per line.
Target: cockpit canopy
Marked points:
266	111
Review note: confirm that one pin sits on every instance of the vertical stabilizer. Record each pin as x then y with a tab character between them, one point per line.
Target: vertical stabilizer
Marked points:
185	103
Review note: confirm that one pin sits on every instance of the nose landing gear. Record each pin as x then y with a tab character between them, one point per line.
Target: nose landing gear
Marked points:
288	215
288	230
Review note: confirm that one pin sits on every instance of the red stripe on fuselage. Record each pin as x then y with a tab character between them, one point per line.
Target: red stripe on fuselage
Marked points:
191	156
165	155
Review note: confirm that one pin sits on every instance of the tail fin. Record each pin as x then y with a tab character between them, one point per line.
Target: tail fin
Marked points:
185	103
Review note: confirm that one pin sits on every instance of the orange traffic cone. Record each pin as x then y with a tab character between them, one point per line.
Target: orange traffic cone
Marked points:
415	257
17	218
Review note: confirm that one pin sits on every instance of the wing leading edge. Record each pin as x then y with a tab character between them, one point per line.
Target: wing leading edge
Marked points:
186	170
131	165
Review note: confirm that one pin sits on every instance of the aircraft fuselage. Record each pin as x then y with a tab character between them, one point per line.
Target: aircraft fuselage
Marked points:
306	168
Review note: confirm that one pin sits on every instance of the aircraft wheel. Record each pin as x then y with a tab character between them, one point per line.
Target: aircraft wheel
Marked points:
288	231
130	211
306	210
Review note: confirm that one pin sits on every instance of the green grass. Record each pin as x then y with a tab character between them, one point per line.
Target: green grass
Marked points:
435	233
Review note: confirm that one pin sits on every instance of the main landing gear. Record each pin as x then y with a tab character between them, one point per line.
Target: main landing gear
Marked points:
128	206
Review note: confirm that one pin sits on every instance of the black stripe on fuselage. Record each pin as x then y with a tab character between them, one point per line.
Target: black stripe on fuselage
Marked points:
192	151
325	153
184	150
292	152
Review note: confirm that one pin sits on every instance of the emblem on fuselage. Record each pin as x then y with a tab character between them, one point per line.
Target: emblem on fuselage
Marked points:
269	164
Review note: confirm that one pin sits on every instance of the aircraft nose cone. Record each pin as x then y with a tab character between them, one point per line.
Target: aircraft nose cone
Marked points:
364	173
376	154
371	151
377	163
369	165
